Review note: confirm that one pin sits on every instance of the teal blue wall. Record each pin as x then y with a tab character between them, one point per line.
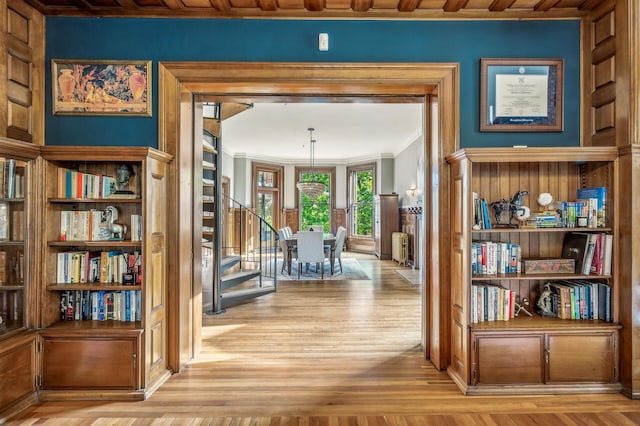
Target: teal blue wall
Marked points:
464	42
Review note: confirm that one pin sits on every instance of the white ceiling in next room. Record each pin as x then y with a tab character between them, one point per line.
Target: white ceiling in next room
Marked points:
343	131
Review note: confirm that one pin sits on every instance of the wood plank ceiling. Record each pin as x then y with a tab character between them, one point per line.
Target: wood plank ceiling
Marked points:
367	9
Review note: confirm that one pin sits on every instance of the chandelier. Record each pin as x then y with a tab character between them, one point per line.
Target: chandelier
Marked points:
312	189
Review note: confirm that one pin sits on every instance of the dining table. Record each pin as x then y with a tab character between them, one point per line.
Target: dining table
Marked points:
329	241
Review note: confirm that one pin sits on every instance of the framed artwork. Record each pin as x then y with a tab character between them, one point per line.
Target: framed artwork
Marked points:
521	95
86	87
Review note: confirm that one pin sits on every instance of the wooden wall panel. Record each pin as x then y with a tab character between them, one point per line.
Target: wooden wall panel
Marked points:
22	73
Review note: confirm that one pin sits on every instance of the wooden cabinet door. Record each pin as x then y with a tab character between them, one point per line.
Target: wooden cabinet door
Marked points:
90	363
581	358
508	359
17	370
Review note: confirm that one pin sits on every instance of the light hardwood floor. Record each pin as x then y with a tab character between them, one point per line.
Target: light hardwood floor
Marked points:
332	353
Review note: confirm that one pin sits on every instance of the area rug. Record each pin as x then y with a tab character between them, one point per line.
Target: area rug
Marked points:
412	275
352	270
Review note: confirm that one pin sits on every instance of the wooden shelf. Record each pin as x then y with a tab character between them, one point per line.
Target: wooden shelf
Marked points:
95	325
538	277
536	322
11	287
93	287
537	230
106	243
94	200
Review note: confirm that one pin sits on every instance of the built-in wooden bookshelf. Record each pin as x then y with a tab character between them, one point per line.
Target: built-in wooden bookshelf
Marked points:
116	313
537	353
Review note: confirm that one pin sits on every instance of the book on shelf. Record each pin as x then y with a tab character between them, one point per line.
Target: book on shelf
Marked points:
4	221
495	258
491	302
100	305
596	197
78	267
76	184
575	246
17	225
590	251
581	300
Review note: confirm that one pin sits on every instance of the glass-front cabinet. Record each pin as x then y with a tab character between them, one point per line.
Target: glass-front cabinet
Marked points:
16	172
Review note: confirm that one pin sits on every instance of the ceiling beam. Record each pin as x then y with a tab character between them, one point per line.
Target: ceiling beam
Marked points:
408	5
544	5
590	4
314	5
221	5
360	5
500	5
454	5
268	4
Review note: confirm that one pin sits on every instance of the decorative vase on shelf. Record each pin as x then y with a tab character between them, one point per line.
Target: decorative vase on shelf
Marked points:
137	84
67	83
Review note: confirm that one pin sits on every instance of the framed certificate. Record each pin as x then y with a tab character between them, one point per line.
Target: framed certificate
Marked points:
521	95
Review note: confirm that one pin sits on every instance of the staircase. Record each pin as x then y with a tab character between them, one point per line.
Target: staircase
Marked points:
239	248
248	259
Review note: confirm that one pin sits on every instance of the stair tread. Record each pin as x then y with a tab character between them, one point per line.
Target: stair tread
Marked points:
239	274
246	291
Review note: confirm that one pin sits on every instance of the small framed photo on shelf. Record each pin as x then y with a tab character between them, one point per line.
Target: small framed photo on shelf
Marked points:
91	87
521	95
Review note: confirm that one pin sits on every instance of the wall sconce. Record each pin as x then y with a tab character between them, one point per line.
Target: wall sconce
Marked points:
412	191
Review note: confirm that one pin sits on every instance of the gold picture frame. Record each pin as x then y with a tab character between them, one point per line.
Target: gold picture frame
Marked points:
97	87
521	95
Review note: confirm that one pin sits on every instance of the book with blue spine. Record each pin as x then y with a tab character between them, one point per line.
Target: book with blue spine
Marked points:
600	194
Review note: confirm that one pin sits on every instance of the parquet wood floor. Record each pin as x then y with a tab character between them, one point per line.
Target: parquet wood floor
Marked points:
328	354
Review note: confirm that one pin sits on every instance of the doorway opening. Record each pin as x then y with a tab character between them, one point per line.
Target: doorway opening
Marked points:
182	82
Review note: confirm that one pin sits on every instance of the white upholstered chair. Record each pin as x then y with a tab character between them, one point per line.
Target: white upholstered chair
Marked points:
341	234
310	250
316	228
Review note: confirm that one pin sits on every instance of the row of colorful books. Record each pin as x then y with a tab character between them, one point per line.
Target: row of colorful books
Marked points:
491	302
112	266
580	299
491	258
591	251
99	305
75	184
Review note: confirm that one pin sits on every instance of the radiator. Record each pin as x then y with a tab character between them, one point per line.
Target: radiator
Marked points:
400	247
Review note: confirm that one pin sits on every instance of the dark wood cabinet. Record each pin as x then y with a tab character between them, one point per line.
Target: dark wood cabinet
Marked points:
72	361
386	221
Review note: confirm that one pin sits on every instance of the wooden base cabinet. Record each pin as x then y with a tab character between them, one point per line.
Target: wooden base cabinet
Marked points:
18	374
571	347
90	361
539	362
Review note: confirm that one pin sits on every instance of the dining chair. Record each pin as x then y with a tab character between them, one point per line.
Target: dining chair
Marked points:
284	236
341	234
316	228
311	250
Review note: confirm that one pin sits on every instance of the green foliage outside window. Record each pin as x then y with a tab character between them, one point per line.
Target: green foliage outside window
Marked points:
316	212
363	206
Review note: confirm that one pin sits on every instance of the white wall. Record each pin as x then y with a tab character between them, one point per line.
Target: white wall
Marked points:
407	174
228	170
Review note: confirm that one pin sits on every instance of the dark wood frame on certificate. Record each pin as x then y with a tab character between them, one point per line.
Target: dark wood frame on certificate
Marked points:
98	87
550	120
